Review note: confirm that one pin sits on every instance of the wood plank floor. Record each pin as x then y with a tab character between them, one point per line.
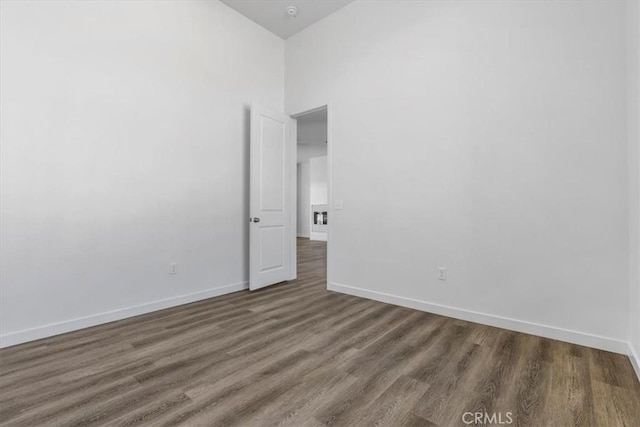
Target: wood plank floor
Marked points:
295	354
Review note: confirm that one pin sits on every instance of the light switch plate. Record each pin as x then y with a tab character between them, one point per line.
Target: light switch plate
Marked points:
337	204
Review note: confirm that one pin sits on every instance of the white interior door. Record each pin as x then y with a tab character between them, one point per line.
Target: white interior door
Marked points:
272	207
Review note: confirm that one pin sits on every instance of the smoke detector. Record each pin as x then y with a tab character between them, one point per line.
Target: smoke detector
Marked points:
292	11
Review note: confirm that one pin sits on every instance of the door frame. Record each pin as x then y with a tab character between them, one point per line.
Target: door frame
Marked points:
294	194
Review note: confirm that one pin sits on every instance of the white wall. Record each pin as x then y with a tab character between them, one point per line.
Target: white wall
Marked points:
633	125
495	147
304	200
125	148
312	136
319	187
305	152
313	130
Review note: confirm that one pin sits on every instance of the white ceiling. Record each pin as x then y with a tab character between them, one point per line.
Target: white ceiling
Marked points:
272	15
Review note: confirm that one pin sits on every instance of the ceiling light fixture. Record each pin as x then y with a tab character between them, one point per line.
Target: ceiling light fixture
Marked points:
292	11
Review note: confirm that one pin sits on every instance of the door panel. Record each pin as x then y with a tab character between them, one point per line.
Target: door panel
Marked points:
273	242
272	221
272	165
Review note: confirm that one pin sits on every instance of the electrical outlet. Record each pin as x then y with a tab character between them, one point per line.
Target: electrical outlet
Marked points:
173	268
442	273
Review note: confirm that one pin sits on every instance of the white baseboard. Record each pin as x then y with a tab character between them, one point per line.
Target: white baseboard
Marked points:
634	356
560	334
52	329
316	235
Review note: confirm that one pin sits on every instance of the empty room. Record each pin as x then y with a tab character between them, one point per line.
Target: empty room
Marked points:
320	213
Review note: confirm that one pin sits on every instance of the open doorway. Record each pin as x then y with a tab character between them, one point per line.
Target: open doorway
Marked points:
289	173
312	194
